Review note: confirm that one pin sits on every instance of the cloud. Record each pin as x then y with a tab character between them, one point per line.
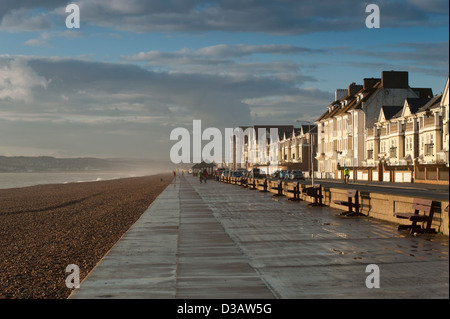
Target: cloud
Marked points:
45	37
429	58
120	102
230	60
17	80
241	50
266	16
222	52
24	20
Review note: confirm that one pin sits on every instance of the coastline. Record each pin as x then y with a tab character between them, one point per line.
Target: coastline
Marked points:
25	179
45	228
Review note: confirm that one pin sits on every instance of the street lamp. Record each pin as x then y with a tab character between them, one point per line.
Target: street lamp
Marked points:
310	150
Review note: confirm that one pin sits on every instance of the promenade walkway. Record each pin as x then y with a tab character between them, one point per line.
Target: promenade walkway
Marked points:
215	240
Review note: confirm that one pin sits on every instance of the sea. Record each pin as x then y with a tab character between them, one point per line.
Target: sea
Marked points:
24	179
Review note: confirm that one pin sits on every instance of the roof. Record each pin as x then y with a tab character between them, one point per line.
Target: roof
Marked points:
432	103
281	129
423	92
352	102
203	165
416	103
391	111
309	128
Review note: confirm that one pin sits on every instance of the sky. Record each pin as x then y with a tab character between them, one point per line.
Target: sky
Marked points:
137	69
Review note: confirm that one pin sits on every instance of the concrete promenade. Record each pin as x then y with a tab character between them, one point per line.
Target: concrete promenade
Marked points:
222	241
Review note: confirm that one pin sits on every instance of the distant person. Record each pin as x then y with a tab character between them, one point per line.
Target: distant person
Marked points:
174	174
205	175
200	176
346	174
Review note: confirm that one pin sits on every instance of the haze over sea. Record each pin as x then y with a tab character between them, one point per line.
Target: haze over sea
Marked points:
24	179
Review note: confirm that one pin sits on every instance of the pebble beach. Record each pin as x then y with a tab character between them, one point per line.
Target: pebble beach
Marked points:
45	228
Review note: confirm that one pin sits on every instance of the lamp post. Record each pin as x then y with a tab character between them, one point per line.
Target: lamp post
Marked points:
310	150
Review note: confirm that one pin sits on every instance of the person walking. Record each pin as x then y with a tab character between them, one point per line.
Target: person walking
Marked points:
205	175
346	174
200	176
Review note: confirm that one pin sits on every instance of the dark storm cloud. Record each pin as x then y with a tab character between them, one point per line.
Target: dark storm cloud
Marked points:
278	17
270	16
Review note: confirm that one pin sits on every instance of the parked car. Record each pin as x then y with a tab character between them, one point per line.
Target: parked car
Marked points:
276	174
256	172
236	173
297	175
288	174
282	173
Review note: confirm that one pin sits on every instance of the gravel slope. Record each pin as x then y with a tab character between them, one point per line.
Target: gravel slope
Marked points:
45	228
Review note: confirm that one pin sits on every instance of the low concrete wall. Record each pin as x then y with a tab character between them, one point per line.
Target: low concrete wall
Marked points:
375	205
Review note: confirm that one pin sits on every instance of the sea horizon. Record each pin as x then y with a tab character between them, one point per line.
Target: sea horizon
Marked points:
10	180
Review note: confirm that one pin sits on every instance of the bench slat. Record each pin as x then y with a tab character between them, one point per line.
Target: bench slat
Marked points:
421	207
351	193
421	201
413	217
404	215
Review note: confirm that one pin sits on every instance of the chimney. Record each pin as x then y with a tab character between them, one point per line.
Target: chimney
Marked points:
354	88
368	83
340	94
394	79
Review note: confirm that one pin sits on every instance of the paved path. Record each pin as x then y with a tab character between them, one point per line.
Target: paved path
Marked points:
430	191
219	241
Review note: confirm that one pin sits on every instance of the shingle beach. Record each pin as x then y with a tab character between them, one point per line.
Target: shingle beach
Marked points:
45	228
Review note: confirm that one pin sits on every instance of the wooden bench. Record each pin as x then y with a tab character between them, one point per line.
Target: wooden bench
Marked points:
279	188
251	185
295	191
419	205
264	185
315	192
352	202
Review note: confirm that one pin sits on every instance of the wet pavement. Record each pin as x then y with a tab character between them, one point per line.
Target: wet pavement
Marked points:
220	241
